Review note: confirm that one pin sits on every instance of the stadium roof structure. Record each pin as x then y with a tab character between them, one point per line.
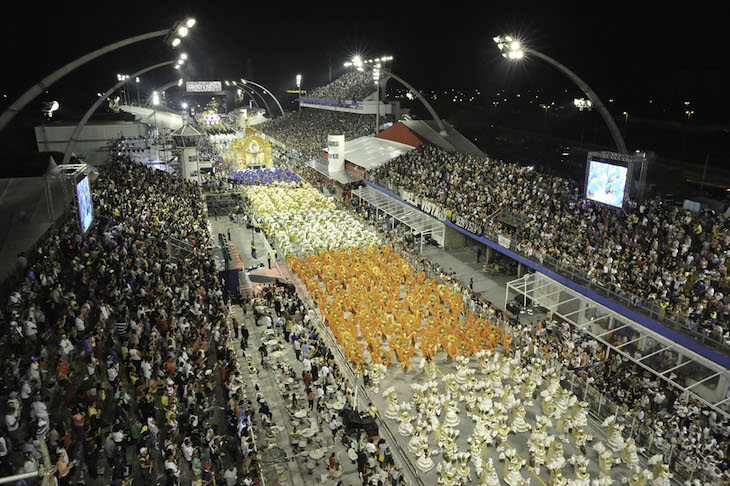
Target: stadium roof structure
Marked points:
400	133
372	152
428	131
419	222
187	130
684	369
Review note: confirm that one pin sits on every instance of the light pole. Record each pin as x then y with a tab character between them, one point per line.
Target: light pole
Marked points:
169	85
513	50
99	101
139	103
172	36
299	90
123	78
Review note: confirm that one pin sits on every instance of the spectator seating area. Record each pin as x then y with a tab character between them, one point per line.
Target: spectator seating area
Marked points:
353	86
656	251
119	353
306	130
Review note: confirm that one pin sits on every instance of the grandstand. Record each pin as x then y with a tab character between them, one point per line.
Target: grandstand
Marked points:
426	314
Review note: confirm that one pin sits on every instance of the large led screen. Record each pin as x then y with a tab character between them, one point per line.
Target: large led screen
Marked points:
606	183
86	213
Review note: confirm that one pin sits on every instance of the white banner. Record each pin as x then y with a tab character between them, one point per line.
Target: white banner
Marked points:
504	241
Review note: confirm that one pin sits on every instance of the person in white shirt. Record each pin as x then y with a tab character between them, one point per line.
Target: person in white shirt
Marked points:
231	475
31	330
370	448
66	346
12	416
25	391
146	370
187	450
171	466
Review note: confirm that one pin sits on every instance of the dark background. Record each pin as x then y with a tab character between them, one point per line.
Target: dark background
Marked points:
628	52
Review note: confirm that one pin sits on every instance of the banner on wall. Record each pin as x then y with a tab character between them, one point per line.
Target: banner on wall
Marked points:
462	222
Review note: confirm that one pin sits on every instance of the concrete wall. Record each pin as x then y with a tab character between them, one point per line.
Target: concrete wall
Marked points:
359	107
452	239
93	142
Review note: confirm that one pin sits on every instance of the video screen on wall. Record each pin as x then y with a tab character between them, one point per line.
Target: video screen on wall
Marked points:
86	213
606	183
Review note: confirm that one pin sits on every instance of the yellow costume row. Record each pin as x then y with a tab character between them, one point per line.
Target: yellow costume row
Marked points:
377	306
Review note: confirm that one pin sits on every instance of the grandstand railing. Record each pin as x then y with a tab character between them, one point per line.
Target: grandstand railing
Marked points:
676	322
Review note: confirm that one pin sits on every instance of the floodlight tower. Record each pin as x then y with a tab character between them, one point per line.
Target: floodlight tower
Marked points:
514	50
299	90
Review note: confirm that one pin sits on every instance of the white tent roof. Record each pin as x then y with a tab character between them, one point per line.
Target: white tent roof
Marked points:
371	152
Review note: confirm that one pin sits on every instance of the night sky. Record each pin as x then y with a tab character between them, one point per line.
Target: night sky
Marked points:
621	49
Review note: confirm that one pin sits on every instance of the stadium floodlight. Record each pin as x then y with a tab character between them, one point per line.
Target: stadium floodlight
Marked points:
155	98
50	107
509	47
582	104
190	22
184	106
514	50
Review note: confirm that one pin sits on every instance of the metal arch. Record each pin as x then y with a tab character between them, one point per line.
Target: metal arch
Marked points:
43	84
252	99
266	91
97	103
164	88
426	104
251	92
597	103
169	85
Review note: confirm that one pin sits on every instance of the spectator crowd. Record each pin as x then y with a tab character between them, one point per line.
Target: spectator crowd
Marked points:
653	250
306	130
118	353
352	86
681	426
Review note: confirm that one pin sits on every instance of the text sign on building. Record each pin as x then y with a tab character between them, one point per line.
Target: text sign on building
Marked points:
203	86
336	152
